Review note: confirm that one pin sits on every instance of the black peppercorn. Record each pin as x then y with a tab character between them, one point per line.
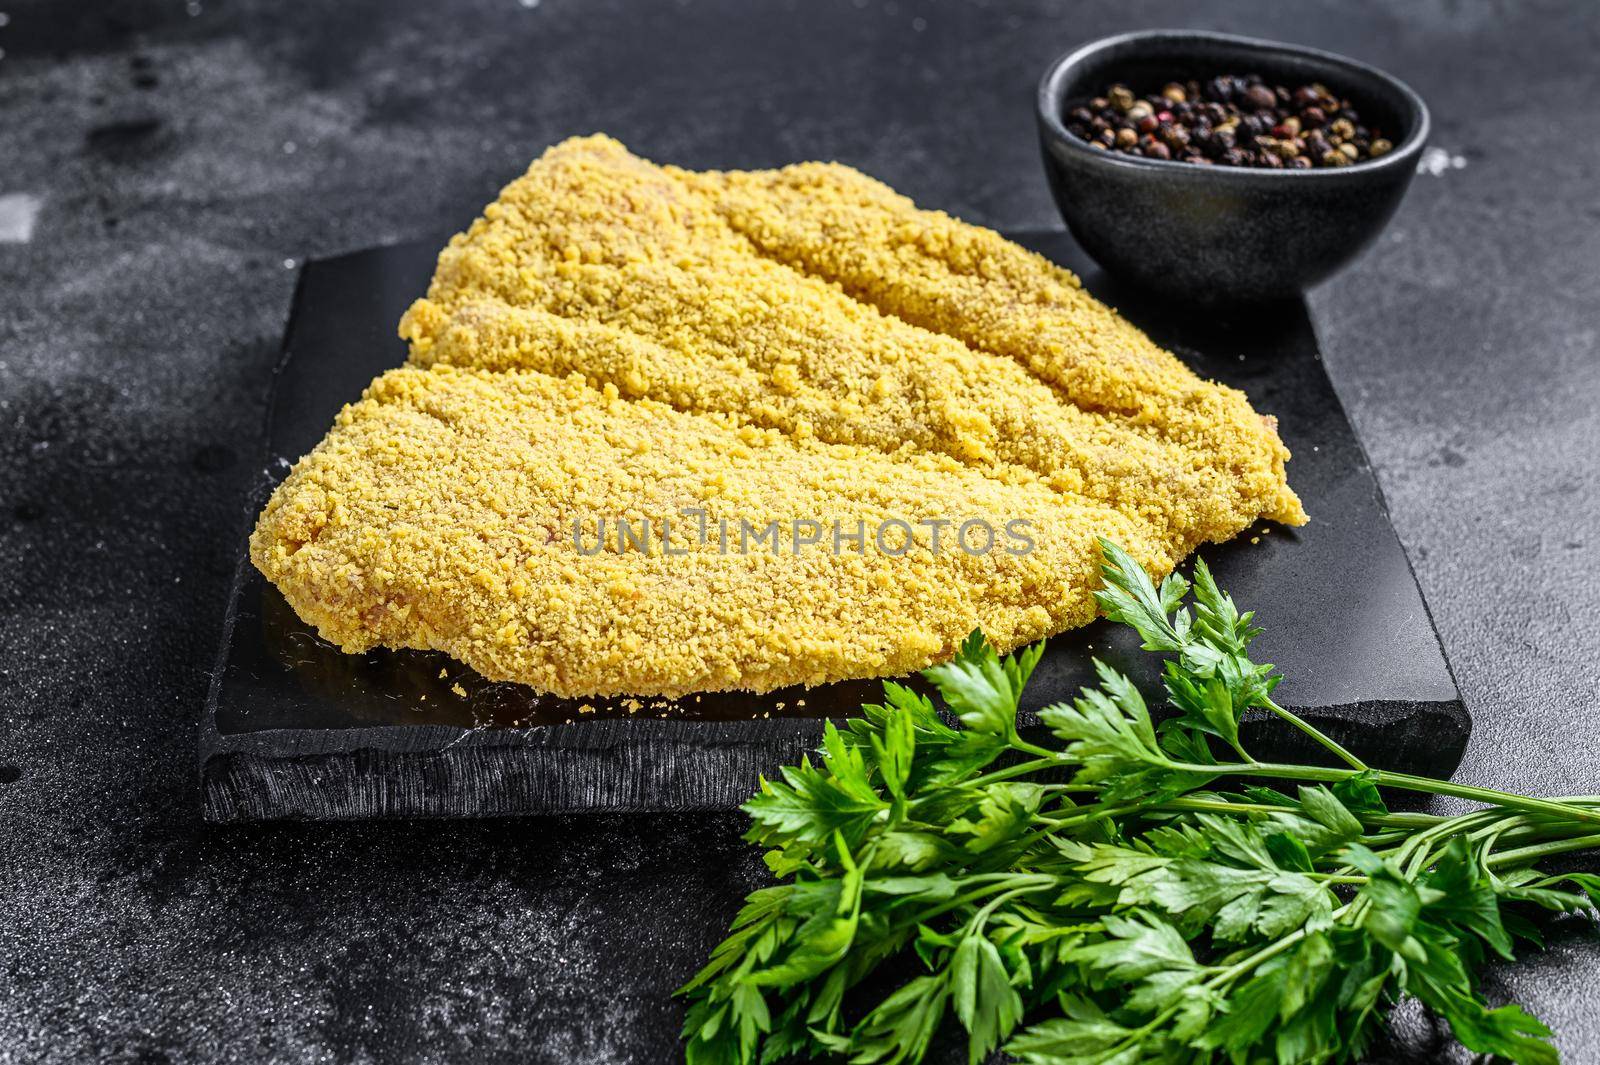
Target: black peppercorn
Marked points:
1232	120
1260	97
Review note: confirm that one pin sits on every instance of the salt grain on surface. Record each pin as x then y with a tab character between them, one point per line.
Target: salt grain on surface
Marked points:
19	211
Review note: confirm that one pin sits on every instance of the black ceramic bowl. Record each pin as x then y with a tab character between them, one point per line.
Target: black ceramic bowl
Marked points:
1213	234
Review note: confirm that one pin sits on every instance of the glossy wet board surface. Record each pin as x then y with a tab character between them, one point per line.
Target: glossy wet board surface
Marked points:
295	728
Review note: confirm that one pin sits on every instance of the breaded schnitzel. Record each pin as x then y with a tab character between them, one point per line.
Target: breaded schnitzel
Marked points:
614	339
438	514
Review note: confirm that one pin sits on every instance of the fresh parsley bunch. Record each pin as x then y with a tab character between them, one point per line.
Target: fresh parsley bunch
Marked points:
1129	893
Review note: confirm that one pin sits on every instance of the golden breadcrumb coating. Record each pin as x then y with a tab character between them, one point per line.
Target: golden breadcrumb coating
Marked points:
614	338
971	283
439	512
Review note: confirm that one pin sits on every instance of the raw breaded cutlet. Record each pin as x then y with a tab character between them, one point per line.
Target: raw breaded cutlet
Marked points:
618	339
439	512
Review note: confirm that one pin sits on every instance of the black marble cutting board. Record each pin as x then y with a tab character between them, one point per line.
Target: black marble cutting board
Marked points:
295	729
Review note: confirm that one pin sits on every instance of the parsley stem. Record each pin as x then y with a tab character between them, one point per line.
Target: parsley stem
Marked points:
1535	832
1031	748
1547	807
1404	781
1560	846
1089	815
1222	806
1005	882
1315	733
1021	769
1084	815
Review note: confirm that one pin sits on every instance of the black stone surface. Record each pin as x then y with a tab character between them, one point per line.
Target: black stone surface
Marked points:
140	324
294	728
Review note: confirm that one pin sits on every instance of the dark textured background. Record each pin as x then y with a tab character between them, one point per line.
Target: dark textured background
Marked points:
183	159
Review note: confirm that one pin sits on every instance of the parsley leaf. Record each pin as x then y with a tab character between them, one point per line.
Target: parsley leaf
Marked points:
1099	901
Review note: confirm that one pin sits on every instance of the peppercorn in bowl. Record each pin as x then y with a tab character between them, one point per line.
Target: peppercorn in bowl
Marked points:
1222	169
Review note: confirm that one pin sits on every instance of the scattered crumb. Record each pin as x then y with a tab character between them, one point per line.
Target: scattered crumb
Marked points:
459	690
